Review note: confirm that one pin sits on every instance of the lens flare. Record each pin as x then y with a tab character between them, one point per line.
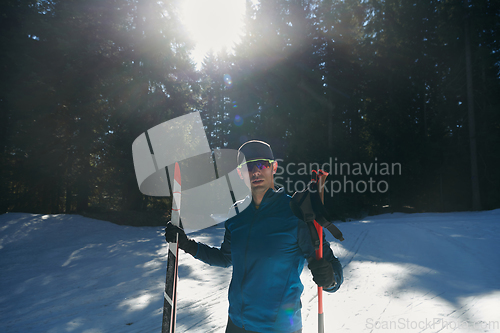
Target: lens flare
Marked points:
227	80
290	312
238	121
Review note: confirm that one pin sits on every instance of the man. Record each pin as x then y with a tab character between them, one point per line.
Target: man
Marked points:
266	244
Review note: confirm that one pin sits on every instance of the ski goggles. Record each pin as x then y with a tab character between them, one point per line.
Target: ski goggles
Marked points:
261	164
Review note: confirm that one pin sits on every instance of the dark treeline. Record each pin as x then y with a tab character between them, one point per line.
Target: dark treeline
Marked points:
407	84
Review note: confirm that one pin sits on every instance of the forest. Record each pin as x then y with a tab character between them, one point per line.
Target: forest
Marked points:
398	99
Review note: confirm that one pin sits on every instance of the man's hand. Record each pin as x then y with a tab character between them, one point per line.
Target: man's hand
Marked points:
322	272
186	244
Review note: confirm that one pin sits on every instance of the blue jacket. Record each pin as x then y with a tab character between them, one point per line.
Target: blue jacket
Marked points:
267	248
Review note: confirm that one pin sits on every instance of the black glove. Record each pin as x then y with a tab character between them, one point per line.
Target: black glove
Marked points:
186	244
322	272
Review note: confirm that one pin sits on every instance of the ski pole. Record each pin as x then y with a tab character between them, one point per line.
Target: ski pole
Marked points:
321	176
170	293
319	255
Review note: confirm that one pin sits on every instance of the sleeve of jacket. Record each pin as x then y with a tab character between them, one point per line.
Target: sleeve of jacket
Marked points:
215	256
305	243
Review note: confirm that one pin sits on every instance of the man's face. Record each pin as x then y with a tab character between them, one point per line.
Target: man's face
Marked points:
260	174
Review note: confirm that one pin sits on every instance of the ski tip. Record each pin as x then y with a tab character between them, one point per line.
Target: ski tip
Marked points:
177	173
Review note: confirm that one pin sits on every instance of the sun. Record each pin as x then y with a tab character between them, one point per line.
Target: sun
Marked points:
212	24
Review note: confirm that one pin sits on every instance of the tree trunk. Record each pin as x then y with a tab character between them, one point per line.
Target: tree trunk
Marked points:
476	201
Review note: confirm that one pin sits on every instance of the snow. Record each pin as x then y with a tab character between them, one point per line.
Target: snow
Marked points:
403	273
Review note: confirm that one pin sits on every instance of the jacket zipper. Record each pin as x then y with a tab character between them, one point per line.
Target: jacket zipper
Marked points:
245	266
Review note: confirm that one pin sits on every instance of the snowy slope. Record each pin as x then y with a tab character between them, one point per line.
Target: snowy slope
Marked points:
403	273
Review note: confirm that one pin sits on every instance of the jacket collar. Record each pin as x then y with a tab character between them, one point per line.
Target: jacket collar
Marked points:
271	195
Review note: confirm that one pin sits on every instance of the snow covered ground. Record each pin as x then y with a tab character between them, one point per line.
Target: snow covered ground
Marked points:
403	273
